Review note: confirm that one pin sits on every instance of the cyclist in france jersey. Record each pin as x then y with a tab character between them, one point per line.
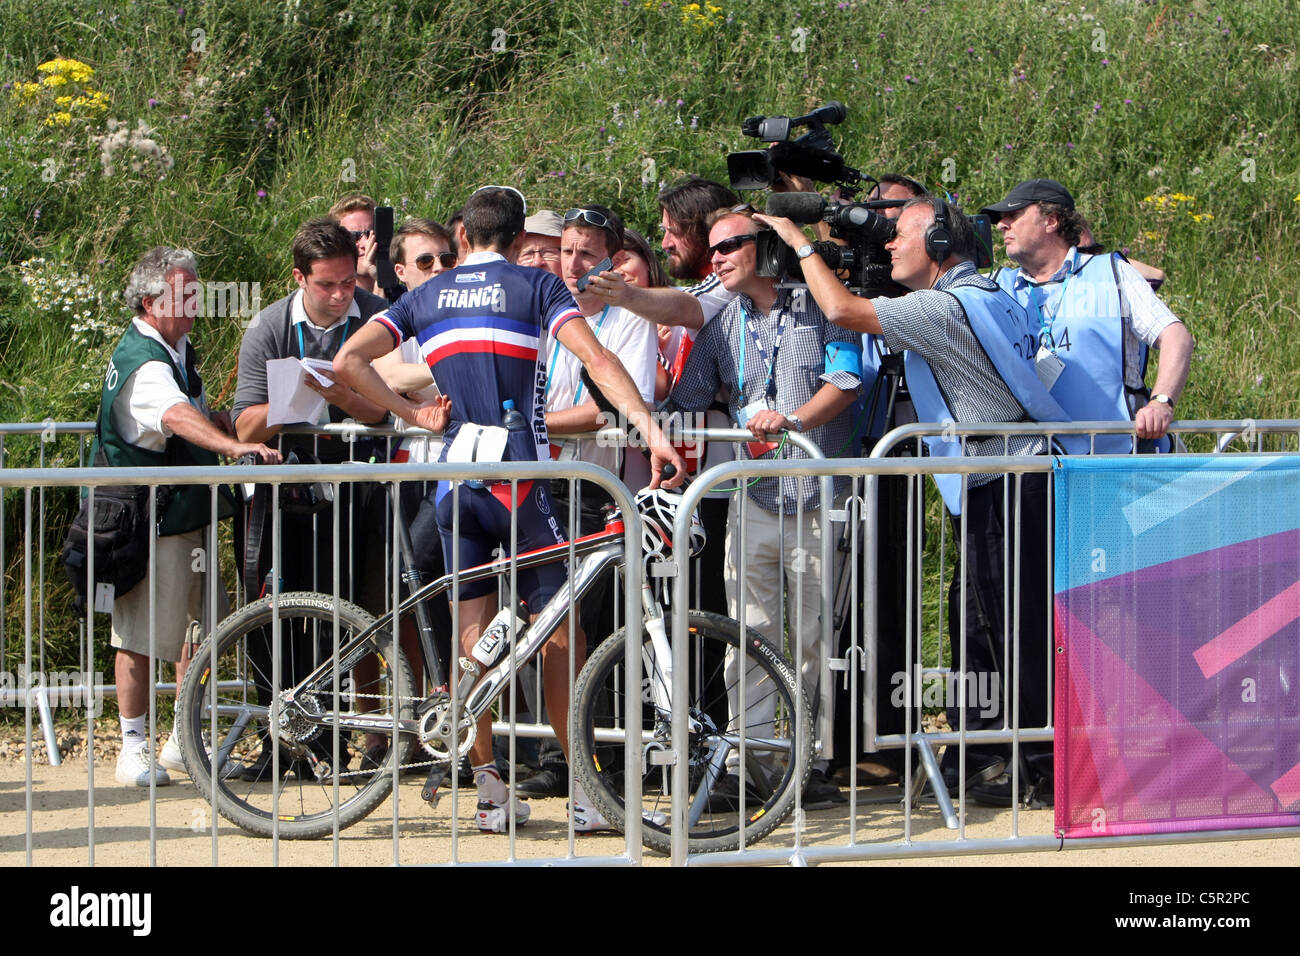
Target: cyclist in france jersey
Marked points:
482	327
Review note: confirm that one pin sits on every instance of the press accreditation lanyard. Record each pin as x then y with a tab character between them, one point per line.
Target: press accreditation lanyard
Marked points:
555	354
769	390
1036	297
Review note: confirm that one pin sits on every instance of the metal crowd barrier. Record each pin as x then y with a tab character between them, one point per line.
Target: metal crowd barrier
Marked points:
791	844
31	480
920	764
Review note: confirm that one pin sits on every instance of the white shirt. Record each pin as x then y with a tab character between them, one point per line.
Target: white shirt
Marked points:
149	392
636	344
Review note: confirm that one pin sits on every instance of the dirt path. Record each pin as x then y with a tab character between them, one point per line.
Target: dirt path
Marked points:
59	832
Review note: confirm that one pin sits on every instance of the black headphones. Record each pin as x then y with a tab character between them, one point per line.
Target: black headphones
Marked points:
938	240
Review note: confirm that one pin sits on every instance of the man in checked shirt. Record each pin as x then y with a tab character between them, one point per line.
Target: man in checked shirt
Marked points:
783	367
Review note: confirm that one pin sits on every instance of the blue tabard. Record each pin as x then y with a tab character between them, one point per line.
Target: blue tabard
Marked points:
1004	333
1087	333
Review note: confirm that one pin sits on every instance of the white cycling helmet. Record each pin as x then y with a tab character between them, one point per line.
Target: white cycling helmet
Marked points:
658	509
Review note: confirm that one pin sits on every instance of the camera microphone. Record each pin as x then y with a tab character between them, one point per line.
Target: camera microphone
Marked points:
833	112
802	208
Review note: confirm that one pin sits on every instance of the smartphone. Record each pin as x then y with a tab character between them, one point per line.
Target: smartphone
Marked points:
386	277
605	265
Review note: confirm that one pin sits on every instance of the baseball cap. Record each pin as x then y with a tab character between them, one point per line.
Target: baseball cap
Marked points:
1031	191
545	222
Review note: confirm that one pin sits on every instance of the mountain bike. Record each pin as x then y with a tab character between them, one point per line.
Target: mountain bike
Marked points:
291	760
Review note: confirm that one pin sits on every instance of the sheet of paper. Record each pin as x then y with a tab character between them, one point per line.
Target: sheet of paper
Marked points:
290	400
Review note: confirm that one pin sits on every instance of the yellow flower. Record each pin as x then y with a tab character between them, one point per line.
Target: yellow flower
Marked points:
73	70
58	119
1151	236
1201	216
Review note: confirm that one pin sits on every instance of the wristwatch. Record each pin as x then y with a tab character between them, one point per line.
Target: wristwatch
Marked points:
804	251
1163	400
796	421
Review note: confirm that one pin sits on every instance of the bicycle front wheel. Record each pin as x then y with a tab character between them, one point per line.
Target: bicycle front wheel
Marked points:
298	795
777	736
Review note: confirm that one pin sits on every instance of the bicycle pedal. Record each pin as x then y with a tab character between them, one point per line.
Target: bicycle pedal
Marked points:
429	792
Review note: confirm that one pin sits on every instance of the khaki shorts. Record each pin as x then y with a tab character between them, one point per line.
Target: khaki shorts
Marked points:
179	601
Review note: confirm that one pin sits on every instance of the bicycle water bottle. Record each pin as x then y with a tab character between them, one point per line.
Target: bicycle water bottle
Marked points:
496	637
512	418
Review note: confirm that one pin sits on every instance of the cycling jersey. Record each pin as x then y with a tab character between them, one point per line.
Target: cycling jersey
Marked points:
481	327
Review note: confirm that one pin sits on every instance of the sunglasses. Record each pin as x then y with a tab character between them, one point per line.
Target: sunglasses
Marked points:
588	216
732	243
424	261
359	234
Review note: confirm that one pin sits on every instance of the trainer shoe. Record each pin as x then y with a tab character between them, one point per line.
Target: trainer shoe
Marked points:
495	817
133	769
591	820
170	757
587	819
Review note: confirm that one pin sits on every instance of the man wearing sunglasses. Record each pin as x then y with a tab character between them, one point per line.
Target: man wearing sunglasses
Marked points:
783	367
356	214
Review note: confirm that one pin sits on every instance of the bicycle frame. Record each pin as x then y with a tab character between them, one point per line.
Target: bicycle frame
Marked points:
594	552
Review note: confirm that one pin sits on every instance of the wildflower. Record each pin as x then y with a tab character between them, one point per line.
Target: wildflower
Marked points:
261	194
1128	102
1259	379
1096	107
152	102
1105	62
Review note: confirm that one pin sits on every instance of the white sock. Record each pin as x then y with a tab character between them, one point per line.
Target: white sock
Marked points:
580	796
133	737
489	784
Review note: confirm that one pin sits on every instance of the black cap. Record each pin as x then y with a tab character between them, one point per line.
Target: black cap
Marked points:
1031	191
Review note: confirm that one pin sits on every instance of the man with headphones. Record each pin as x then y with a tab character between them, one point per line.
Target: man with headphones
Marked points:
967	360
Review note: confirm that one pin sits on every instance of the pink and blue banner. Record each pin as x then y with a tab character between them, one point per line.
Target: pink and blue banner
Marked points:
1178	644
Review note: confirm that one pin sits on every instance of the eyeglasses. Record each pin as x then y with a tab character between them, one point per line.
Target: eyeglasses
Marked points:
546	255
359	234
732	243
424	261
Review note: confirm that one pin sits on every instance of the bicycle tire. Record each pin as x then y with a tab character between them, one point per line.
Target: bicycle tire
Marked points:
773	776
306	807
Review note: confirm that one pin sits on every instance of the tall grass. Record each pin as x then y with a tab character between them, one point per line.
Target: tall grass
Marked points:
267	112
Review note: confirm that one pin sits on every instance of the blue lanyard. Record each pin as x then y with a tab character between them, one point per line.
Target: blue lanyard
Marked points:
1045	325
347	328
769	390
555	354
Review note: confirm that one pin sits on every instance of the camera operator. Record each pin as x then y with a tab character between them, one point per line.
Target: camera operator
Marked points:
958	329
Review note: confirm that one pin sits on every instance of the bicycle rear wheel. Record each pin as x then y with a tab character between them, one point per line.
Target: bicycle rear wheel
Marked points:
301	799
778	744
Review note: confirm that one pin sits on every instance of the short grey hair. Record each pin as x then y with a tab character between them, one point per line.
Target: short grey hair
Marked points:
149	277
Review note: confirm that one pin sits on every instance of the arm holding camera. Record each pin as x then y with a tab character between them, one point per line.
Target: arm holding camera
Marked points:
839	304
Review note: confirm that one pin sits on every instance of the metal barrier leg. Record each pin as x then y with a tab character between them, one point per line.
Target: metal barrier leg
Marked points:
47	725
930	764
